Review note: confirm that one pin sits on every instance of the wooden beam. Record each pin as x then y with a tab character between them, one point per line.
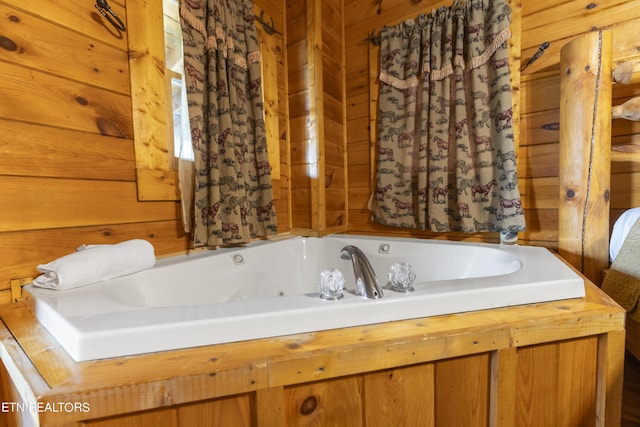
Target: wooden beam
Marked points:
152	112
629	110
609	378
585	151
627	72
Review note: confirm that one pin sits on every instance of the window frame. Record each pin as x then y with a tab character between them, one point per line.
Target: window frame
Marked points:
156	174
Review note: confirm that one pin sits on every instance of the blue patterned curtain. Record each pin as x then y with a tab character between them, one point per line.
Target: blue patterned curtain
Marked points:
446	158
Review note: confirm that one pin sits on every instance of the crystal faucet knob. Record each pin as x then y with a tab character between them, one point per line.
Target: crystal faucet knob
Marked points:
331	284
401	277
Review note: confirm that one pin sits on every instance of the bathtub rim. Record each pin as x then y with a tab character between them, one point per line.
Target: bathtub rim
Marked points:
85	341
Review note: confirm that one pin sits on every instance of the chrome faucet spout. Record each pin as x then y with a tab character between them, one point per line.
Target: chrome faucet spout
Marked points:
366	282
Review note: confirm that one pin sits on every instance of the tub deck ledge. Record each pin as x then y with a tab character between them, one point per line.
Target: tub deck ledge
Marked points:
41	371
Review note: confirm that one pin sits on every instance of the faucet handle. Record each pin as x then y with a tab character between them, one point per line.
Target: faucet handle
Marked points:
401	277
331	284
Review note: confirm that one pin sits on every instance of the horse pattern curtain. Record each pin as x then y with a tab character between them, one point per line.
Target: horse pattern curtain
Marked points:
446	159
233	199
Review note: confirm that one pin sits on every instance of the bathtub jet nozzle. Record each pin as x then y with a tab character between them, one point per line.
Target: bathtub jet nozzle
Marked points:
366	282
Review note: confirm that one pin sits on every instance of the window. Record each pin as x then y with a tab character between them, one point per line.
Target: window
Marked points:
158	97
174	65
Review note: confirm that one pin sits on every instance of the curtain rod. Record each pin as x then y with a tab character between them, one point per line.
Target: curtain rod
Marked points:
375	40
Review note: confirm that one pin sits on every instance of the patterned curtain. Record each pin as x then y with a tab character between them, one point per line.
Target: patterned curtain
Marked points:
446	156
233	200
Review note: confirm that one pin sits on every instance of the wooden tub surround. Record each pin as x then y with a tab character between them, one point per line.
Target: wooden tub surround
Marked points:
550	364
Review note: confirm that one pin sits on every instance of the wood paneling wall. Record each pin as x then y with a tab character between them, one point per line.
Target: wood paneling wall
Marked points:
541	21
302	127
67	163
273	13
67	166
315	41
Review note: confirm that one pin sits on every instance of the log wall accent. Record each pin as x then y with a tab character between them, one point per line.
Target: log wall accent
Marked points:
585	141
68	168
541	105
627	72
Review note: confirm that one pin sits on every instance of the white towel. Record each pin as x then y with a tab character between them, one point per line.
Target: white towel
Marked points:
620	230
96	263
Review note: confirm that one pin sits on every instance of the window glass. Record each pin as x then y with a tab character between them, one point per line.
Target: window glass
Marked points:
175	72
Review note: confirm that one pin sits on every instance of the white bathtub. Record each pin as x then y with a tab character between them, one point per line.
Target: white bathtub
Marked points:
269	289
